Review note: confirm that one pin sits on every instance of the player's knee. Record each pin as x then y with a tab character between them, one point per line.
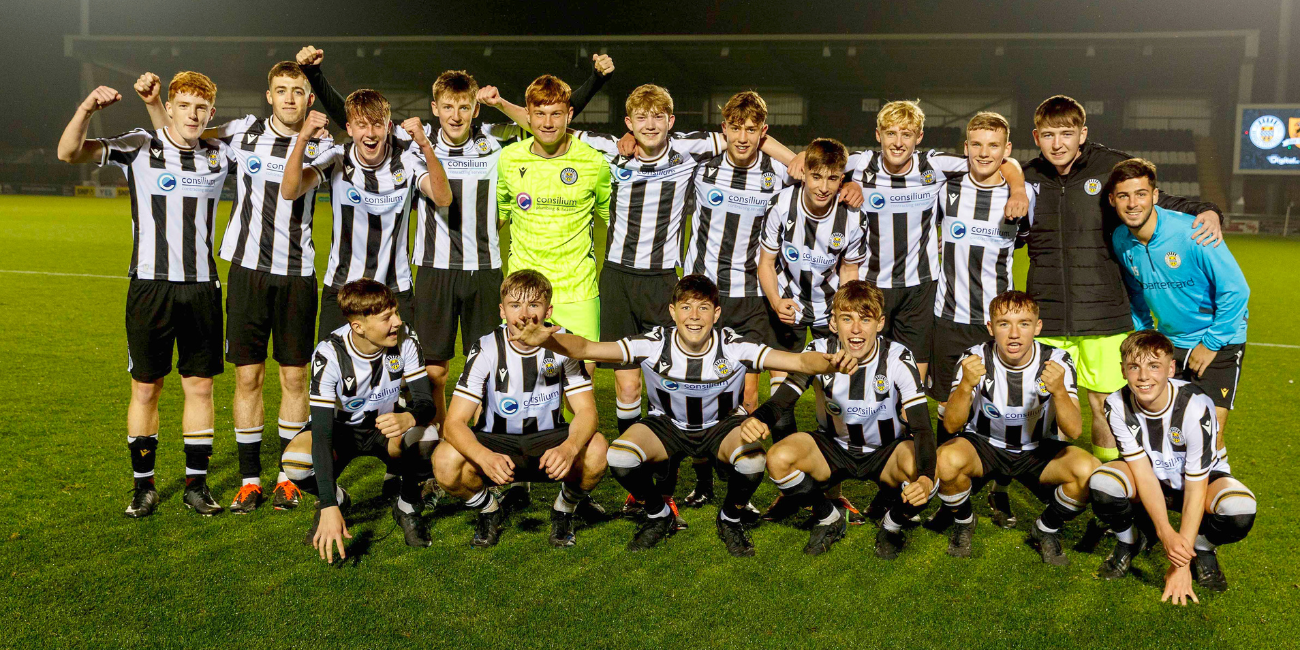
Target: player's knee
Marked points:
297	465
595	458
249	379
624	457
197	387
948	466
437	374
447	464
1109	490
1081	467
293	380
782	458
1233	515
146	392
749	459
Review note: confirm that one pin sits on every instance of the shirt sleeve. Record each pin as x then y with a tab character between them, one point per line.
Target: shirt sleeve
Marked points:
1200	428
603	192
479	365
750	353
700	144
855	240
1125	438
946	162
121	150
636	349
504	133
505	197
324	377
772	222
602	142
324	163
1137	302
576	379
235	127
418	167
412	359
1231	293
853	168
907	378
1071	378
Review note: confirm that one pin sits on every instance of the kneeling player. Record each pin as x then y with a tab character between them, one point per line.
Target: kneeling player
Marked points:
522	434
696	380
862	433
1167	430
1009	399
357	373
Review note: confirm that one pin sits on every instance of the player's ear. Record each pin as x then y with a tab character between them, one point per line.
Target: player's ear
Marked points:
879	135
502	308
1083	134
672	119
268	96
1038	327
920	133
477	106
1155	195
311	99
989	326
547	317
834	325
1111	198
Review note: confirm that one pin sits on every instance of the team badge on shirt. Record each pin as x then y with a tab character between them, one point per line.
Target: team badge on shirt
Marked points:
1172	260
312	149
1176	435
393	362
928	177
482	145
1042	387
568	176
675	160
724	367
837	240
212	158
549	367
399	176
1092	186
768	180
882	384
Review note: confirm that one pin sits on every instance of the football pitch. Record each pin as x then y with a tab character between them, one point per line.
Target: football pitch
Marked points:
78	574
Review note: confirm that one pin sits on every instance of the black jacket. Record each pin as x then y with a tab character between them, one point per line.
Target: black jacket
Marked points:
1073	272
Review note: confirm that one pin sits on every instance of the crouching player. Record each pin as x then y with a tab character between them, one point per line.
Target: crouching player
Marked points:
357	373
1010	398
695	375
1166	429
862	434
522	434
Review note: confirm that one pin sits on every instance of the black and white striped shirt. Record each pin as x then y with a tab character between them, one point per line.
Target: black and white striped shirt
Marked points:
863	411
728	223
1180	440
463	235
370	214
360	387
174	195
809	250
900	211
266	232
651	197
1011	407
520	391
978	247
695	391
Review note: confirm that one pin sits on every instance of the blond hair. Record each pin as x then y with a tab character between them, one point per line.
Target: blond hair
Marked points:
649	98
745	106
904	112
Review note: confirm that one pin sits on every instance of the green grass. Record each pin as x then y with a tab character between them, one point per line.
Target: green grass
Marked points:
79	574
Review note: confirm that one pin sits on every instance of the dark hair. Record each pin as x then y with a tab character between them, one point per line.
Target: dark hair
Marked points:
826	153
861	298
1144	344
1008	301
1127	170
365	297
455	83
526	283
285	69
697	287
1058	111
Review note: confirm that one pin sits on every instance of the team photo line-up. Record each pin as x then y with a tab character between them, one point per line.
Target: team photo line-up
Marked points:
881	278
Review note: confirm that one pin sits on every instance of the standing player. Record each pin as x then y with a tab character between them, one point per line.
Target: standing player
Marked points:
881	435
175	295
371	180
1166	431
271	288
1009	399
696	373
1198	295
1073	273
522	434
358	372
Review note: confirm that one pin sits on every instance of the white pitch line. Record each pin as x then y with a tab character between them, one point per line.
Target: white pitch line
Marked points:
1274	345
75	275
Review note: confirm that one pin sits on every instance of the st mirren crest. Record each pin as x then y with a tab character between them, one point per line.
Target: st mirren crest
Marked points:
881	384
768	180
393	362
675	160
549	367
837	240
724	367
928	177
481	144
1176	435
313	149
399	176
213	157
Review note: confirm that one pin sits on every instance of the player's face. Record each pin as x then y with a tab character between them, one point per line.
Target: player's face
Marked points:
1060	144
1134	200
549	122
744	141
519	309
370	137
985	151
820	186
289	99
379	329
1014	332
1148	378
189	115
694	319
897	142
650	128
455	113
857	332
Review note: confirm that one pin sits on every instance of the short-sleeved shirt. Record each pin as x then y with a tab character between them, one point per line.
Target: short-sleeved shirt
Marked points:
370	213
809	250
1011	407
174	195
694	390
1180	440
552	205
979	247
520	391
361	387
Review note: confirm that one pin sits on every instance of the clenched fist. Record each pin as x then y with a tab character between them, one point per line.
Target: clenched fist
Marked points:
310	56
148	87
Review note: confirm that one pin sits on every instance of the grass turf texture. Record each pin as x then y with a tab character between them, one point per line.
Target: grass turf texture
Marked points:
77	573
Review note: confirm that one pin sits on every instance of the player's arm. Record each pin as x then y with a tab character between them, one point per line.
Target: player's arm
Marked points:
1137	301
1148	488
1231	294
491	96
970	370
332	529
1209	218
602	68
534	333
297	181
1060	382
309	59
916	419
558	461
759	424
808	363
1018	199
434	183
73	145
420	410
456	432
604	191
786	309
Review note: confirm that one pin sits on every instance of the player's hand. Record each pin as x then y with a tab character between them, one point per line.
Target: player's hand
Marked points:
533	332
753	430
315	123
1209	228
1178	587
1178	550
310	56
330	534
1017	206
841	361
1200	359
627	145
558	461
415	129
972	371
917	493
394	424
796	167
148	87
489	96
1053	377
101	97
603	64
851	194
787	310
499	468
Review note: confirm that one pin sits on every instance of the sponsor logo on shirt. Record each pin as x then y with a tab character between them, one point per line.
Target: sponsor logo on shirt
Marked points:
715	197
790	252
833	407
669	384
622	173
353	195
254	164
463	163
167	182
957	230
876	200
508	406
991	411
524	201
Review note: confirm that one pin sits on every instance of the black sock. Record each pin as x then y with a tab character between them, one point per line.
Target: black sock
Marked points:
1059	511
198	454
821	506
740	487
415	468
144	454
703	475
902	511
666	481
639	482
249	446
962	511
624	424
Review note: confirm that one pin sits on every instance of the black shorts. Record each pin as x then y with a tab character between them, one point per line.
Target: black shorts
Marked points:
160	314
750	317
261	305
525	450
951	340
1174	498
793	338
444	296
331	317
845	465
696	444
1025	466
350	442
1220	378
909	318
631	302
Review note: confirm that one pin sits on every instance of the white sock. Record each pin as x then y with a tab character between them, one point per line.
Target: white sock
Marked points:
831	518
255	481
1043	528
405	507
338	493
724	517
889	525
1203	544
1127	536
